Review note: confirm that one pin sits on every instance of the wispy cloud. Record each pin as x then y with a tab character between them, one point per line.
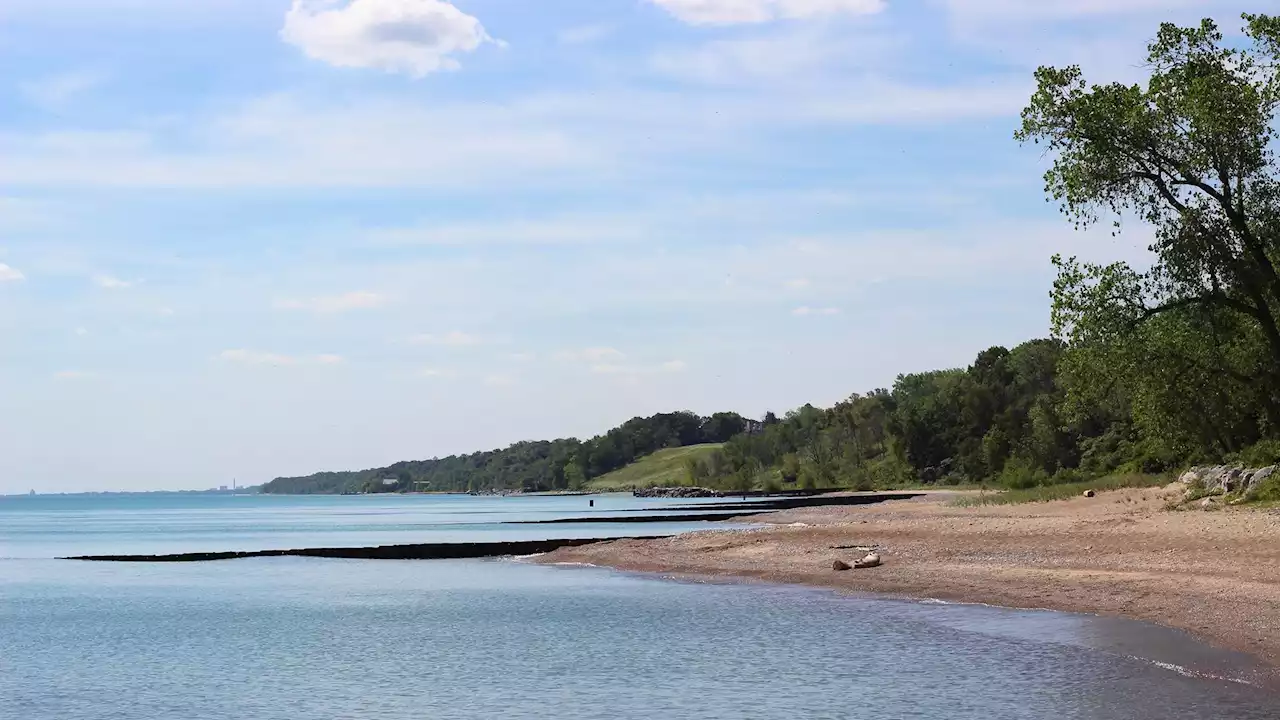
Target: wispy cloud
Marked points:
456	338
360	300
500	380
56	91
10	274
415	37
670	366
592	355
109	282
736	12
585	34
74	375
805	310
257	357
566	230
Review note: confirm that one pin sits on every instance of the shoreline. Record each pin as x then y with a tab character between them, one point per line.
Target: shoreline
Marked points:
1214	575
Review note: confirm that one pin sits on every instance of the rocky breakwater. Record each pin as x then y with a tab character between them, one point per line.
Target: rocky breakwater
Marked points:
677	492
1210	485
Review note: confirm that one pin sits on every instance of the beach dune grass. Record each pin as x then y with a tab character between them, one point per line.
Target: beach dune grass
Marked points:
663	468
1063	491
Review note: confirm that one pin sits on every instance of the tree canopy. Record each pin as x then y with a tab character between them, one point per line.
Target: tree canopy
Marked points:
1193	341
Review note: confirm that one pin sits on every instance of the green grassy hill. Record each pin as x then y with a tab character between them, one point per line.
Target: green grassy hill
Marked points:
664	467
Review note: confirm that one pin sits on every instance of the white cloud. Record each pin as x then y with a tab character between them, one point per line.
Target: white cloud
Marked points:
456	338
360	300
524	357
798	283
108	282
806	310
165	312
10	274
256	357
499	380
80	332
54	92
415	37
735	12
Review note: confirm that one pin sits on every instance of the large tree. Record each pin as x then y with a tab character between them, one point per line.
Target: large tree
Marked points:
1189	153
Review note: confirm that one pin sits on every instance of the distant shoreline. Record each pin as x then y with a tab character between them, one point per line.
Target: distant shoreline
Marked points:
1215	575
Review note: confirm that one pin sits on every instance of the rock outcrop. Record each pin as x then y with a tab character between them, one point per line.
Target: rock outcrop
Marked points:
1214	480
677	492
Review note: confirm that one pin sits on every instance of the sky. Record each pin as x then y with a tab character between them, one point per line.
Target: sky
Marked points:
249	238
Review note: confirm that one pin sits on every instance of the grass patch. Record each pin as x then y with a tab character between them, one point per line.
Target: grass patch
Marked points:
664	468
1064	491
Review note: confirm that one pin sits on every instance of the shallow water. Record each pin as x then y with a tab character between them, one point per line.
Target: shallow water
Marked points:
277	638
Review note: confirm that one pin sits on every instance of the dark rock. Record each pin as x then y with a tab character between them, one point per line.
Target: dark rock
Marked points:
839	565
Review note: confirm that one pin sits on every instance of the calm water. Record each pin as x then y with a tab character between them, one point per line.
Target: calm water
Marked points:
279	638
58	526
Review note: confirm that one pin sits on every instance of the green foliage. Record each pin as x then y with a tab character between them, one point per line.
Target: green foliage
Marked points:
664	468
533	466
1268	492
1187	352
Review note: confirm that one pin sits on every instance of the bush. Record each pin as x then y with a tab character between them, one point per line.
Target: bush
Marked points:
1261	454
1020	474
1267	492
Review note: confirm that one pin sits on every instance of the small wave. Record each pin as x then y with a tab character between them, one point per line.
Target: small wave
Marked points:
526	558
1189	673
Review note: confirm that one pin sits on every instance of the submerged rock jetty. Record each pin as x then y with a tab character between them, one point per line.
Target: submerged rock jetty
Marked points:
428	551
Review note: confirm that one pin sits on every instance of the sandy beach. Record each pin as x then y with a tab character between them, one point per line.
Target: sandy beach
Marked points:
1214	574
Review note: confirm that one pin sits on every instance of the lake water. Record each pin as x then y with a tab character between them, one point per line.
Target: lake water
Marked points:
277	638
160	523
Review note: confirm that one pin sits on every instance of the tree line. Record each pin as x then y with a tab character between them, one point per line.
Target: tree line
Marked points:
1148	367
530	466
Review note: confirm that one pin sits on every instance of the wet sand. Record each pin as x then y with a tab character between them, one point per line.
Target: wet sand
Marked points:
1213	574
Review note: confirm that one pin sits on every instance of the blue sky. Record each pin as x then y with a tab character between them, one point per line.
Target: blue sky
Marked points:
247	238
